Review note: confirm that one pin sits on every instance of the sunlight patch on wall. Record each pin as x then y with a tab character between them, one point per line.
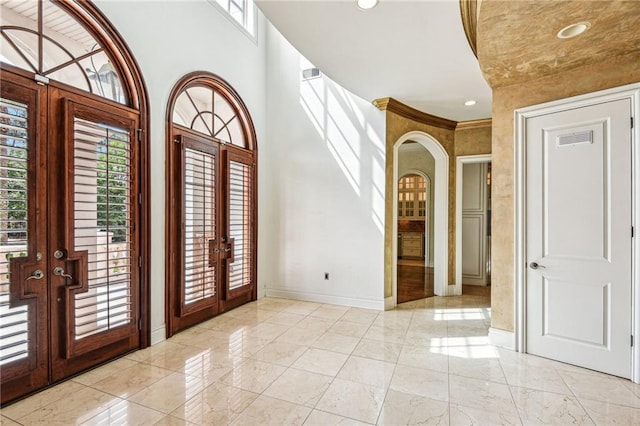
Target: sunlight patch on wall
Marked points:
333	124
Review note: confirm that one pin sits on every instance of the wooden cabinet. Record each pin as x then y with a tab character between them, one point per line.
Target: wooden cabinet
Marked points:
411	244
412	197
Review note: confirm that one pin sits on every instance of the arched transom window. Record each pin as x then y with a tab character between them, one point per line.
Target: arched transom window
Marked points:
41	37
210	107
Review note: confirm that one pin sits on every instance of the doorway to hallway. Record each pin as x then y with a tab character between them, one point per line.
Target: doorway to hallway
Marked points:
415	277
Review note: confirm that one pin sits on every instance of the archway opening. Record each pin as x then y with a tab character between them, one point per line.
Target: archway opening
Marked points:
440	189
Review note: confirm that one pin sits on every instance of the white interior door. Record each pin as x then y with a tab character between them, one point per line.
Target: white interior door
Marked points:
474	224
579	241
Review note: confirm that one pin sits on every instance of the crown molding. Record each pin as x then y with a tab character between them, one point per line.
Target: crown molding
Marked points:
474	124
397	107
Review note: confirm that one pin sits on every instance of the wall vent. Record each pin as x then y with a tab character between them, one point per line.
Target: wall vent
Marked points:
310	73
570	139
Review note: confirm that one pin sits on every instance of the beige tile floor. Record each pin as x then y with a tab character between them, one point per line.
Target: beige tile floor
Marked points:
283	362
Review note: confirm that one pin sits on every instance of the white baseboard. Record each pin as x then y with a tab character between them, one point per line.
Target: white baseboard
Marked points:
389	303
502	338
324	298
159	334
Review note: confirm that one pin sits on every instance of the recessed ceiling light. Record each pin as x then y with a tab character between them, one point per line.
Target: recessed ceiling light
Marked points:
367	4
574	30
470	102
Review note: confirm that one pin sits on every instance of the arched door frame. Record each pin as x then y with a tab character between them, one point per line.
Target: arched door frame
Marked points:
218	84
441	212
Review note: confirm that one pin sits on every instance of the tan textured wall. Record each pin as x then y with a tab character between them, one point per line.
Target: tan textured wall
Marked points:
473	141
612	73
398	126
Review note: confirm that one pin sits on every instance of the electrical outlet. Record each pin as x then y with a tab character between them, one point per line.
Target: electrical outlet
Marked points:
326	275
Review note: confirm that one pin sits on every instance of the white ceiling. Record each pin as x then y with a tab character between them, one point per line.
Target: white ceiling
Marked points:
413	51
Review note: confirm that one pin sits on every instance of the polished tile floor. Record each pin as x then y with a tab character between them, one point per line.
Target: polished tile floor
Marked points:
282	362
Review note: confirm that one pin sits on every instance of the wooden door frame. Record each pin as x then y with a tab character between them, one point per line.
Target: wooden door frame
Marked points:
631	92
460	162
217	83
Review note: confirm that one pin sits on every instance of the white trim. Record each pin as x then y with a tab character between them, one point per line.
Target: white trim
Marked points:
502	338
460	162
440	208
325	298
159	334
632	92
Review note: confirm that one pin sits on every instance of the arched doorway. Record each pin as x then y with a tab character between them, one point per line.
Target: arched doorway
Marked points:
211	201
73	192
440	208
415	220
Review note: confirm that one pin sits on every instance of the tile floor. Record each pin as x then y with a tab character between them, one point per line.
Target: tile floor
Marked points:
282	362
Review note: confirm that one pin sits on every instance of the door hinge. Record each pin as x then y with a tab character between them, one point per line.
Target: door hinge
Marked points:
139	261
633	232
632	122
140	198
139	135
140	324
632	340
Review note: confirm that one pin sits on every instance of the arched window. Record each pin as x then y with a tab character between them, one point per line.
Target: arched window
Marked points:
211	201
73	191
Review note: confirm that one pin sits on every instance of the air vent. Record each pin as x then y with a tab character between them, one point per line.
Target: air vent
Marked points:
571	139
310	73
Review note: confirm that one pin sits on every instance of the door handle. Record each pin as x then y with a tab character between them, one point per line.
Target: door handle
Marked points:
535	265
60	272
36	275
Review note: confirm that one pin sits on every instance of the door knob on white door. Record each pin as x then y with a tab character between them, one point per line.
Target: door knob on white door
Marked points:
535	265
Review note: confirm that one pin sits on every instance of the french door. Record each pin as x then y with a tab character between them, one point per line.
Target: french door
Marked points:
69	249
212	225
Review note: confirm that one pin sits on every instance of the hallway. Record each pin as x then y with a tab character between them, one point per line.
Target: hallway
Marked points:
281	362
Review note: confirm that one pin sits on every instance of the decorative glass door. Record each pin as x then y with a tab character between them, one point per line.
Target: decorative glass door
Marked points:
69	250
23	261
211	239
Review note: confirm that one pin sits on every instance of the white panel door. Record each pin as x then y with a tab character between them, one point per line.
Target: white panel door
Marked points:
474	224
579	233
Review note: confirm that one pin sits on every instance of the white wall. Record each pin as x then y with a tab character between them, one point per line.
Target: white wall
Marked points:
324	181
416	157
169	40
321	184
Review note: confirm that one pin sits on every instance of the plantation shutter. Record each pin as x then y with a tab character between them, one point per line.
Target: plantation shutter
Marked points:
199	216
240	199
102	263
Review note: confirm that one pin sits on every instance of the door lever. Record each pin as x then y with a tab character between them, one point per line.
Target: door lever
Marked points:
60	272
535	265
36	275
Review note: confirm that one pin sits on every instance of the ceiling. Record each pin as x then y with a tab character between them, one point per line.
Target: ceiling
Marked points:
533	50
413	51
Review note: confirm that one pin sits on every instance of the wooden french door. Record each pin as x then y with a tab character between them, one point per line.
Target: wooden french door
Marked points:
212	219
69	249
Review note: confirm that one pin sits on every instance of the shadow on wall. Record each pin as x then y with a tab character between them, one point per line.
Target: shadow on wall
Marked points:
341	125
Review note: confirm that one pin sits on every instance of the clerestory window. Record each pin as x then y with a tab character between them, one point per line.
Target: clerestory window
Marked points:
243	12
